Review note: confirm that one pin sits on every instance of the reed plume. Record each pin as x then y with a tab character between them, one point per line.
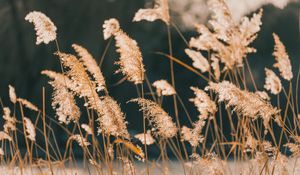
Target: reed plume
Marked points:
112	119
228	39
159	11
80	82
63	100
130	61
204	104
193	136
28	104
91	66
44	27
163	88
12	94
30	129
10	122
216	68
149	139
160	120
207	109
283	62
80	140
87	129
245	103
272	82
199	61
263	94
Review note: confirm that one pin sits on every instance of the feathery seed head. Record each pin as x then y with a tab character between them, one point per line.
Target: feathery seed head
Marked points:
12	94
163	88
199	61
204	104
228	39
28	104
112	119
272	82
161	121
63	100
149	139
131	60
30	129
263	95
110	28
91	66
87	129
216	67
193	136
160	11
10	122
80	140
243	102
44	27
80	81
282	59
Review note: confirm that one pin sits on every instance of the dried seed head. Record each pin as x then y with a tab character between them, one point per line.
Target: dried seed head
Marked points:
149	139
80	140
63	100
228	39
272	82
199	61
244	103
193	136
112	119
263	95
91	66
110	28
10	122
27	104
12	94
216	67
160	11
30	129
80	82
163	88
161	121
251	143
44	27
282	58
204	104
130	61
87	129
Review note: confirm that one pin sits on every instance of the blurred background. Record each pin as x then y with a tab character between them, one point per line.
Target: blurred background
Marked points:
80	22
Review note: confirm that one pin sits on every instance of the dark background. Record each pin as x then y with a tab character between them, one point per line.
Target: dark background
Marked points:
78	21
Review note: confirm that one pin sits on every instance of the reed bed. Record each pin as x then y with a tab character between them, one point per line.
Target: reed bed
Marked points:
263	135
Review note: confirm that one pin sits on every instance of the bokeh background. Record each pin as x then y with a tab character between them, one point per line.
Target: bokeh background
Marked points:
80	22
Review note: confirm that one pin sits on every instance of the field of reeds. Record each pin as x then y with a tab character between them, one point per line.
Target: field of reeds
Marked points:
263	137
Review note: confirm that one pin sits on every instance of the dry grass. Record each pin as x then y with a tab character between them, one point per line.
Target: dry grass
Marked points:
219	52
